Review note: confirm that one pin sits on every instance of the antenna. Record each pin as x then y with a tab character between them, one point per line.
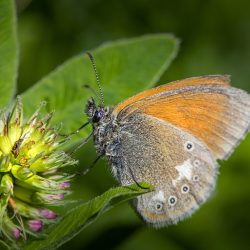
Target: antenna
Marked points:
97	76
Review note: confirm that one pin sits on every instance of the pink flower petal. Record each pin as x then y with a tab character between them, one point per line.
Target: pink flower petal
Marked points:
48	214
16	233
35	225
65	184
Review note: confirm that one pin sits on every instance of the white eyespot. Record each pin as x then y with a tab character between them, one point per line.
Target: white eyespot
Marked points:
172	200
196	178
185	189
197	163
158	206
189	146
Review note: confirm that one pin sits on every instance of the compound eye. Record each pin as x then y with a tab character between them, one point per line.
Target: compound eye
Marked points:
97	116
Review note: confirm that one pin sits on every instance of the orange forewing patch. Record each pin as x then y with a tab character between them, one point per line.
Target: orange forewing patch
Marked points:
193	81
202	114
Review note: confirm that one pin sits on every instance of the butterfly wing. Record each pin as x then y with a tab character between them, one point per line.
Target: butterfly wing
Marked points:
223	80
206	107
179	166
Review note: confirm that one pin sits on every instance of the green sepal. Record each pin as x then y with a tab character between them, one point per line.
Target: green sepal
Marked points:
21	173
5	144
8	227
38	183
27	210
16	116
39	198
5	164
6	186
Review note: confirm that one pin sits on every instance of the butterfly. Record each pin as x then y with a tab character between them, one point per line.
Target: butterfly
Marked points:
172	136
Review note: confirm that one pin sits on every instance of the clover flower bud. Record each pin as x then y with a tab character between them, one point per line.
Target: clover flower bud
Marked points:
31	173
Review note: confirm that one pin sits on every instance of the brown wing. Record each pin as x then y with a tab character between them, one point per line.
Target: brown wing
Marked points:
156	152
217	114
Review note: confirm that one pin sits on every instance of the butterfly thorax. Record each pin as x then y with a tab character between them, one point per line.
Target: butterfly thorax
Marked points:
104	127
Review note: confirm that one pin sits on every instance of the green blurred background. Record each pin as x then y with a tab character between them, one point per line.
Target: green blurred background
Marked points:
215	38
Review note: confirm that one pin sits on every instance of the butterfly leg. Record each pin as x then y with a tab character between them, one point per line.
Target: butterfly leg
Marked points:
134	179
90	167
75	132
85	140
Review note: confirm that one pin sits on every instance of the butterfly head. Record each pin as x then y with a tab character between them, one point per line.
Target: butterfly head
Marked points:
94	112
